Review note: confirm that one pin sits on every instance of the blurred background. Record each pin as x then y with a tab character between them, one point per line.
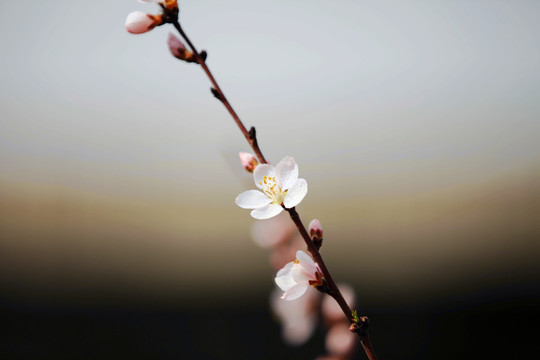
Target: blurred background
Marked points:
416	125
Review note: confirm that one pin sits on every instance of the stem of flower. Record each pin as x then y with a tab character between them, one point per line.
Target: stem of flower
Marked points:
252	140
334	290
218	93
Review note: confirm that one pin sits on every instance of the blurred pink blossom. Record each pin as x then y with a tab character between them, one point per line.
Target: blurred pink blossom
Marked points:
339	340
330	309
298	317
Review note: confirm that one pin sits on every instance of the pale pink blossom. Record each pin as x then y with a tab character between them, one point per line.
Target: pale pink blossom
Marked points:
281	188
339	340
298	317
287	250
298	275
138	22
274	232
330	309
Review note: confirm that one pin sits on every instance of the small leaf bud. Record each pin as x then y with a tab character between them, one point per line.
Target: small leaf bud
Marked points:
249	161
216	93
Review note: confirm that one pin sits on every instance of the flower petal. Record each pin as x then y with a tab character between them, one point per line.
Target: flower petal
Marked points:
283	277
299	274
286	173
306	261
261	171
295	194
252	199
305	269
267	211
296	291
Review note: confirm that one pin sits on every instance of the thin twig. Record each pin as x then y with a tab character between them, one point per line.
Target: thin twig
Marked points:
218	93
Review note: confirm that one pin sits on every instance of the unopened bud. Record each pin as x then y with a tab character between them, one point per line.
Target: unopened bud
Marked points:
139	22
178	49
249	161
315	229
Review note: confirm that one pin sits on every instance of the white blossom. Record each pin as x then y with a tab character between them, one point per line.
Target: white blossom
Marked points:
298	275
281	188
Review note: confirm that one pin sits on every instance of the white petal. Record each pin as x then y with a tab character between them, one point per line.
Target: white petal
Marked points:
306	268
300	275
296	291
261	171
306	261
295	194
252	199
267	211
286	173
283	277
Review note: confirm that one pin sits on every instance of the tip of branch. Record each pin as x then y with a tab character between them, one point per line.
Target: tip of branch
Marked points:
203	55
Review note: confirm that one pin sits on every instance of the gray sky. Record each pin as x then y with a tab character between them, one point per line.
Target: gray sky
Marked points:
385	87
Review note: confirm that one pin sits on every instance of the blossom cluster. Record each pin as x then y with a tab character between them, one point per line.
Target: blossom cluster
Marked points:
301	316
302	310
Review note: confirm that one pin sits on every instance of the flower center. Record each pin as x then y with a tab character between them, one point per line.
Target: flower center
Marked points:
272	190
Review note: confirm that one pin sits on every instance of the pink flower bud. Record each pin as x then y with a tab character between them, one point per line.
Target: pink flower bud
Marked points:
249	161
315	229
139	22
178	49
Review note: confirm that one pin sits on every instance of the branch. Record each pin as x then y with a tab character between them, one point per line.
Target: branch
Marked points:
218	93
358	324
